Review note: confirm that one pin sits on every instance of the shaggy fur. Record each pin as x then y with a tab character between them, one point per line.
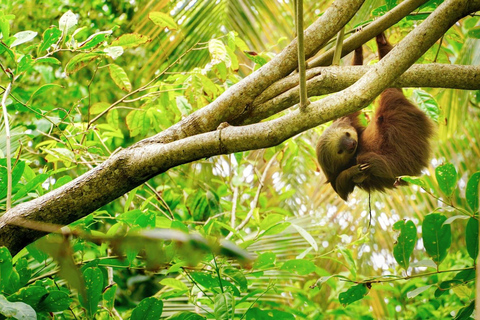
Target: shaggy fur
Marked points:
395	143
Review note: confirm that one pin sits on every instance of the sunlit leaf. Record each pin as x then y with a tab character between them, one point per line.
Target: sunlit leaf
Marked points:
130	40
67	22
162	20
81	60
22	37
120	77
50	37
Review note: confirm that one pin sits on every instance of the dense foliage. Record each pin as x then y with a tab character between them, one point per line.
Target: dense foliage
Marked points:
81	81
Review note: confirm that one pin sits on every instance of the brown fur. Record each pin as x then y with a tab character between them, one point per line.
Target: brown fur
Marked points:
395	143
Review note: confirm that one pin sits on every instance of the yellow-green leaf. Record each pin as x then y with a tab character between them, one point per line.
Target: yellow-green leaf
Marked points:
120	77
162	20
130	40
81	60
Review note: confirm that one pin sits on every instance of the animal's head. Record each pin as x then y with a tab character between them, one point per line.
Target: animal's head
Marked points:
336	147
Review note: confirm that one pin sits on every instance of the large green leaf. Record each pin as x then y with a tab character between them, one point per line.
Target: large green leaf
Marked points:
406	241
437	237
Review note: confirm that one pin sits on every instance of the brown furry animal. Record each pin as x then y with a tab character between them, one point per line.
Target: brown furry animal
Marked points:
395	142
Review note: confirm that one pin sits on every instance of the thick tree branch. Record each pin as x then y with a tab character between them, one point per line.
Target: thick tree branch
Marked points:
238	97
324	80
373	29
133	166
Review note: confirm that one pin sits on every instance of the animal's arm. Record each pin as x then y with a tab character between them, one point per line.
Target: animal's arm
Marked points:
378	165
348	178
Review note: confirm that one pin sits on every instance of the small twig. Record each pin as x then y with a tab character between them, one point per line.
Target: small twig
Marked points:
101	114
301	56
438	51
256	198
159	196
337	54
8	137
234	207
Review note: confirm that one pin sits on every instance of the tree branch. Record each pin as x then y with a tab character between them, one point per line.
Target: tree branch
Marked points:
325	80
373	29
238	97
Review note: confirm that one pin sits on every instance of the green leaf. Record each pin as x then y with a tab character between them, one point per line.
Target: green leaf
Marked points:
265	260
44	88
224	306
99	107
17	173
268	314
255	57
417	291
299	266
22	37
50	37
416	181
112	118
138	122
276	229
271	220
406	241
186	315
447	178
6	267
427	103
49	60
67	22
238	277
162	20
218	52
30	185
94	40
25	64
471	193
437	236
130	40
31	295
148	309
174	283
353	294
474	33
465	312
183	105
307	236
109	297
457	217
471	237
93	277
81	60
120	77
17	310
23	271
55	301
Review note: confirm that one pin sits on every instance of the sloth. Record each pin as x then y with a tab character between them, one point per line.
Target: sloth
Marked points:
396	142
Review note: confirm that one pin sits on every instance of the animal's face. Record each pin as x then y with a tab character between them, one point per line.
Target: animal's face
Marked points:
336	147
